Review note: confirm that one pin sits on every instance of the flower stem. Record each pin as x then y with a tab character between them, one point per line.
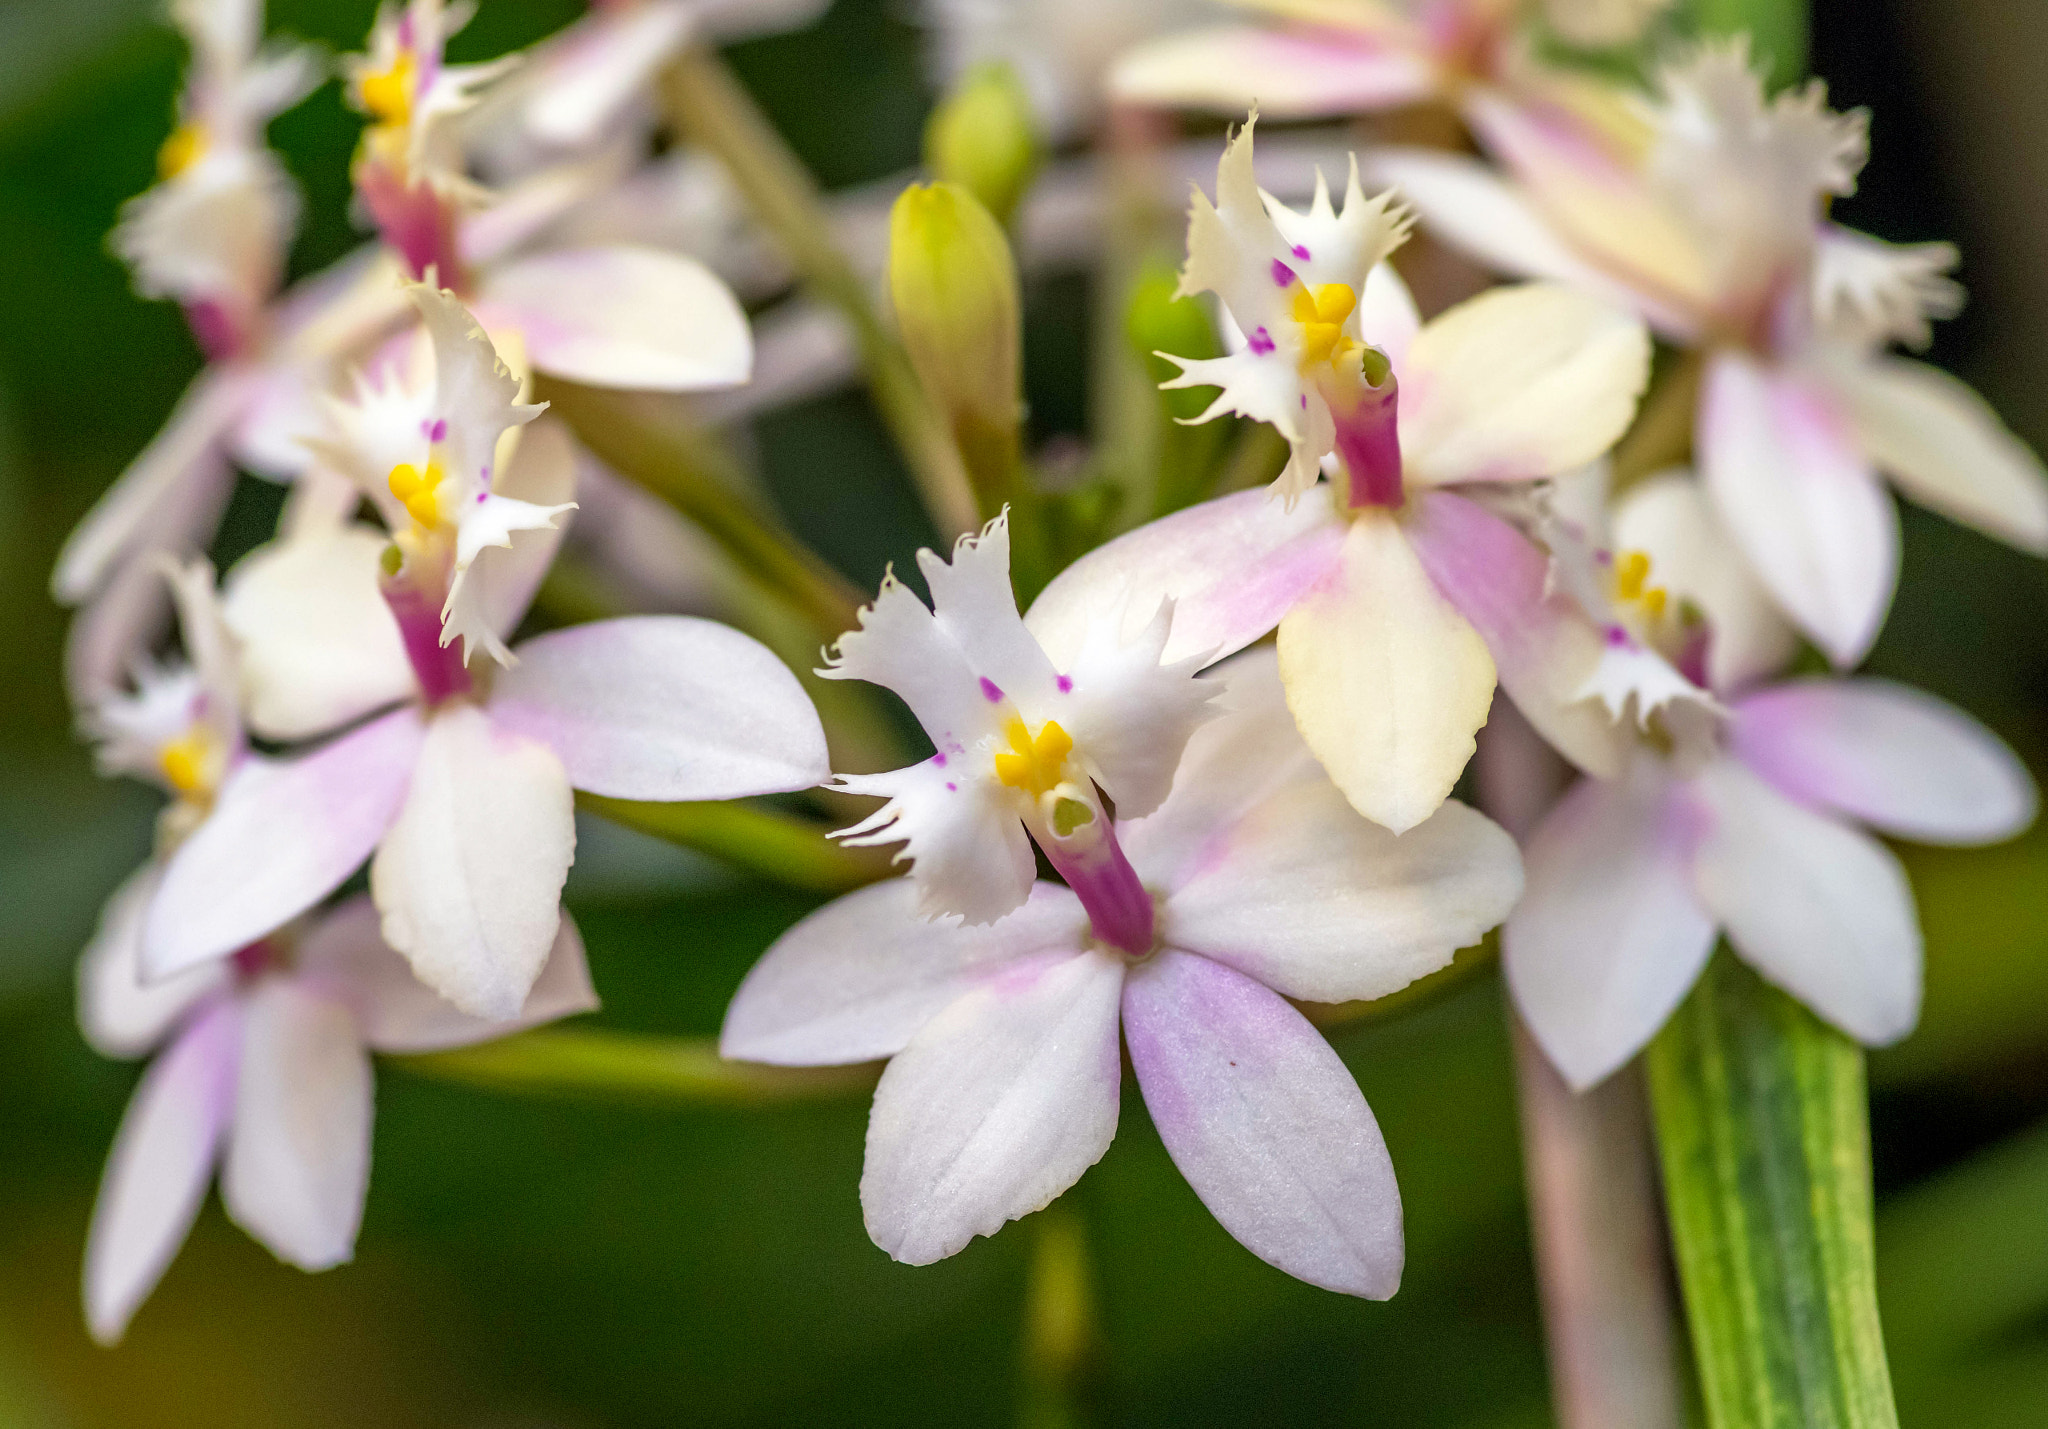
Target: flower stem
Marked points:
714	110
1059	1324
594	1062
765	841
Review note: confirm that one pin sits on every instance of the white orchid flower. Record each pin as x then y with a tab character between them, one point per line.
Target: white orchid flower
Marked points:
1388	586
1714	228
261	1070
1260	884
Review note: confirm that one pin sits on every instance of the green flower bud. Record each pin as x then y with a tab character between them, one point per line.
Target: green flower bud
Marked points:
955	291
1156	321
983	137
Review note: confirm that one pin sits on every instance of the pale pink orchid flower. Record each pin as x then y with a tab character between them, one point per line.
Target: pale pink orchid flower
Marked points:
1713	225
1748	825
261	1071
1388	583
463	792
1258	884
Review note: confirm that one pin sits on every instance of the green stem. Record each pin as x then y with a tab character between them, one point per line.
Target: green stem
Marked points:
1764	1133
764	841
590	1061
1059	1324
714	110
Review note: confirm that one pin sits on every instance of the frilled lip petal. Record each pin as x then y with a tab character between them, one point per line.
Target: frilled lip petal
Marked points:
282	835
663	707
856	979
1232	568
1886	755
1284	73
995	1107
1265	1123
623	316
968	852
1801	500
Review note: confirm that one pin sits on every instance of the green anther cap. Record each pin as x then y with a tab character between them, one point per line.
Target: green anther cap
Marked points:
983	137
955	291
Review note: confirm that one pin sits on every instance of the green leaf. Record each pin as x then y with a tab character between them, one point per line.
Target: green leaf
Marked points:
1777	30
1764	1131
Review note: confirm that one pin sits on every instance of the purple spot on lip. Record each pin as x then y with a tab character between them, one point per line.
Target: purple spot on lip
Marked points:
1282	274
1304	401
1616	636
1301	252
1260	341
940	760
991	691
439	431
951	786
1066	683
481	497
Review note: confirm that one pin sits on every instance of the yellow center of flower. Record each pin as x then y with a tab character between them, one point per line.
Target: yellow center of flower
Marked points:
185	147
187	762
1035	765
418	491
1632	584
387	94
1321	311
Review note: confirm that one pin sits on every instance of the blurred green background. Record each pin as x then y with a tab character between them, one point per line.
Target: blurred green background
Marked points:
544	1262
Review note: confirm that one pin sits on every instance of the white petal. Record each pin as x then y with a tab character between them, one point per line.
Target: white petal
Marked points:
857	979
1387	316
298	1158
995	1107
487	525
503	581
469	879
1609	935
1318	903
1520	382
1947	449
319	646
1232	568
1888	755
1818	908
474	392
283	834
1266	1124
663	707
595	70
1285	74
121	1015
624	316
1386	679
1129	715
960	829
1800	499
157	1172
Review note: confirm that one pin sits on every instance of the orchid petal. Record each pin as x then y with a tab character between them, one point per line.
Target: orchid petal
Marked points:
596	70
1888	755
1129	715
1284	74
1818	908
857	979
503	581
469	879
663	707
968	851
119	1013
994	1108
1266	1124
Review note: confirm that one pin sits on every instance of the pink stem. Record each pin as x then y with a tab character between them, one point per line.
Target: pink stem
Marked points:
1369	444
1119	908
437	667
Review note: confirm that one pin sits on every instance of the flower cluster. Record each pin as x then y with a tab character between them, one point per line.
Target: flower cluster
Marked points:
1142	825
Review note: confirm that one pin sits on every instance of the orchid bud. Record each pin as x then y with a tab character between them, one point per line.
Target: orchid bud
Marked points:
983	137
1157	320
955	290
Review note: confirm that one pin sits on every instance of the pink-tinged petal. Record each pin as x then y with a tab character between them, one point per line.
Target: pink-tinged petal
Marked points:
663	707
623	316
157	1172
857	979
298	1154
1283	73
994	1108
469	879
1266	1124
1316	902
969	855
1609	935
1888	755
1820	909
347	961
1387	681
1232	568
119	1013
1543	646
592	72
1946	449
1798	496
283	834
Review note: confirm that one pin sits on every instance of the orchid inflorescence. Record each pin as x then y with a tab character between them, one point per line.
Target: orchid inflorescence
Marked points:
1142	825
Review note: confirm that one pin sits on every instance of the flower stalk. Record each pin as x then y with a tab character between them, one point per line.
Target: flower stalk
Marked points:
766	841
590	1061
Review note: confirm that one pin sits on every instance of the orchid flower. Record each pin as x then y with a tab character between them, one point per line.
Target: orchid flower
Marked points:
1384	597
213	232
1713	227
463	792
1750	833
261	1070
1337	58
1252	882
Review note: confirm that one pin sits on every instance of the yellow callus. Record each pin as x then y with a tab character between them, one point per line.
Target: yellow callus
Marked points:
1321	311
187	763
185	147
418	491
387	94
1632	584
1034	764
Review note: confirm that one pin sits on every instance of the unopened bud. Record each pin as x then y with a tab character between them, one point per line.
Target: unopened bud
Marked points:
955	291
983	137
1156	321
